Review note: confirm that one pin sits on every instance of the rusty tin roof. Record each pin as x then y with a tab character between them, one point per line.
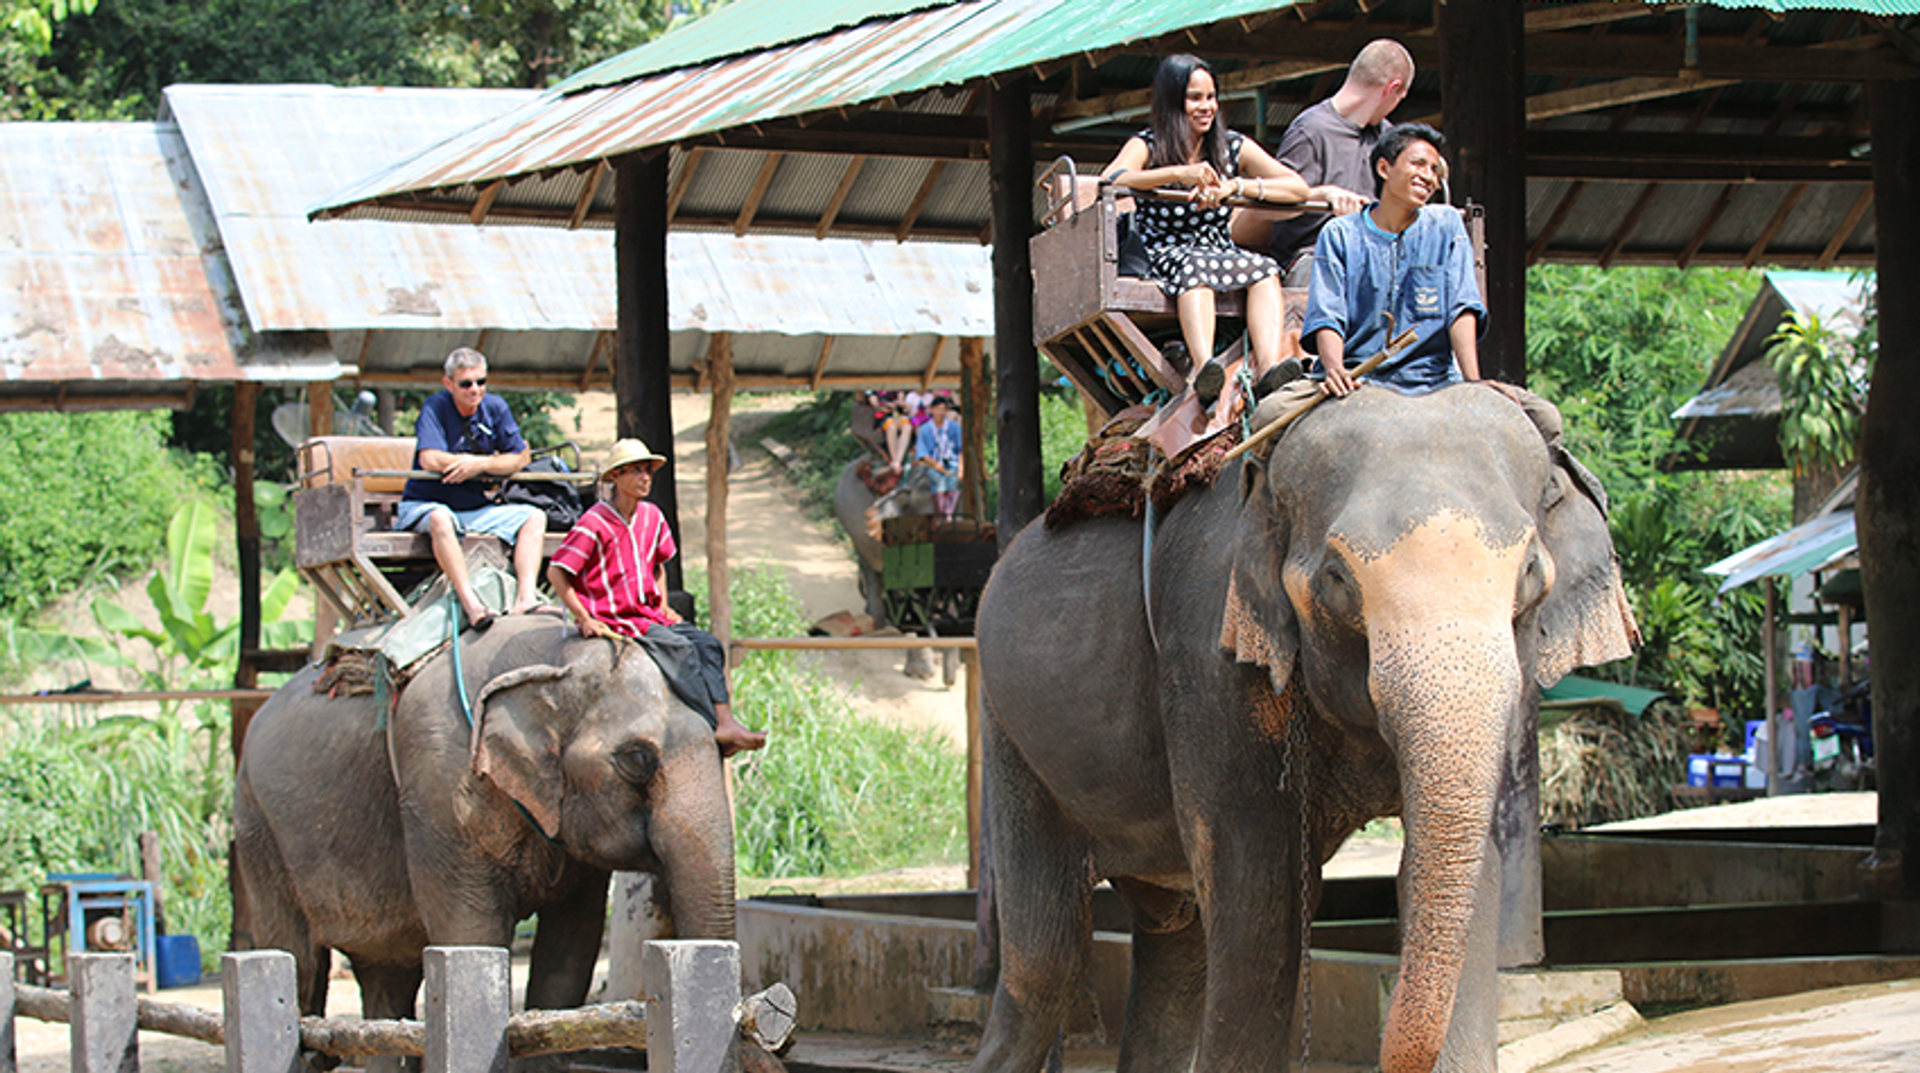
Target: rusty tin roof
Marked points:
115	293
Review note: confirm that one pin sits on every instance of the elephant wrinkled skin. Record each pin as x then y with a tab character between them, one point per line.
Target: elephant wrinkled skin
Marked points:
1351	627
380	841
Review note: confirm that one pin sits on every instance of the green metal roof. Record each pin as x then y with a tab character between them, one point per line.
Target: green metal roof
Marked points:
737	29
993	35
1574	690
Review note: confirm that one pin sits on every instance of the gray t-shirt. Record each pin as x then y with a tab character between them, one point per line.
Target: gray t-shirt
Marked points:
1324	147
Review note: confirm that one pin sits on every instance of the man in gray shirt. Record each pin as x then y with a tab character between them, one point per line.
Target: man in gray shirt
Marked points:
1329	144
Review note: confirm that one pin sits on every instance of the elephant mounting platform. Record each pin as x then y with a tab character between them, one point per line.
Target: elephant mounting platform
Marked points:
1352	622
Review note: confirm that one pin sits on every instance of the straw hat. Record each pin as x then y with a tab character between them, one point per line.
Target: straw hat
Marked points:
626	453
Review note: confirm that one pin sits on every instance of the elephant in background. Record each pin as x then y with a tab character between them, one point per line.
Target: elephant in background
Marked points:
378	840
860	512
1354	625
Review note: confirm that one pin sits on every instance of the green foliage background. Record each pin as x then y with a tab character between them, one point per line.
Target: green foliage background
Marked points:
1620	350
87	497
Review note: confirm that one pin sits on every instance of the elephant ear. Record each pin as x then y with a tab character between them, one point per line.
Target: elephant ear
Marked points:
1585	619
517	751
1258	626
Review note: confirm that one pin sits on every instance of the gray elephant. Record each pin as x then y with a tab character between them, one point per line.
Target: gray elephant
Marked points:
1352	626
859	512
379	837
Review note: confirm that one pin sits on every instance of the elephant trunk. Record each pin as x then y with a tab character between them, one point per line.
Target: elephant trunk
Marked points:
693	837
1450	741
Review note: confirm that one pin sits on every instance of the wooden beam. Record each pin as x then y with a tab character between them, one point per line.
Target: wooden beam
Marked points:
1017	419
1552	226
751	207
1627	224
820	363
839	198
484	202
1887	510
1840	234
974	404
933	363
1694	171
919	202
685	180
601	340
584	204
1714	212
1779	219
1613	94
719	420
643	340
320	409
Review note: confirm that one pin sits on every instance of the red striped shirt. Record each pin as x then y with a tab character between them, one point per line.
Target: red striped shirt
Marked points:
612	564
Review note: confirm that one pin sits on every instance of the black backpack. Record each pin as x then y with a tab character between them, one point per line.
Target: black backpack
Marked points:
559	501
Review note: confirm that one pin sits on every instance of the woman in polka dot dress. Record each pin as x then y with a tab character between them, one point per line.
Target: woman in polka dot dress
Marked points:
1190	251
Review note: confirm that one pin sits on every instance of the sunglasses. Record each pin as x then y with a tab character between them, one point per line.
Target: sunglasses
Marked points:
481	381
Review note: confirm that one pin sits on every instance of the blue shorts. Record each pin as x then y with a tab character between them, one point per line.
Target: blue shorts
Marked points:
503	520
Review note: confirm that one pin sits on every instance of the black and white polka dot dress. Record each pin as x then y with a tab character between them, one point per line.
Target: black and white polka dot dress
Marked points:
1190	247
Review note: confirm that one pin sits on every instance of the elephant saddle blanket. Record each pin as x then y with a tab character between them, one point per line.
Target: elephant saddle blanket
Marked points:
1115	473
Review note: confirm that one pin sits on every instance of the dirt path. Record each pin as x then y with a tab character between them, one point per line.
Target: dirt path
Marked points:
767	525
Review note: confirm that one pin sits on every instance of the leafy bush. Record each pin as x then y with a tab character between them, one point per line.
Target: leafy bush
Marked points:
75	799
87	496
832	793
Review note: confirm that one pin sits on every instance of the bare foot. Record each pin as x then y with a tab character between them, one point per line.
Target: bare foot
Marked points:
735	738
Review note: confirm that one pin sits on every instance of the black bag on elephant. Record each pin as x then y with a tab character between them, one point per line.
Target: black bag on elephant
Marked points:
559	501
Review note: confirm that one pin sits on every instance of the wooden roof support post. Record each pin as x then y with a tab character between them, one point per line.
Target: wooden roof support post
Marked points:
719	420
974	401
1888	512
246	399
642	339
319	406
1483	90
1017	415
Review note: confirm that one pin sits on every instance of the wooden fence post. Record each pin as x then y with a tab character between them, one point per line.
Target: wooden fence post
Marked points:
262	1001
468	1004
7	1002
693	995
105	1013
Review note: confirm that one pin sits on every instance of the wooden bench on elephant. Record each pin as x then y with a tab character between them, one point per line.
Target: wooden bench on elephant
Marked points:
1103	329
345	544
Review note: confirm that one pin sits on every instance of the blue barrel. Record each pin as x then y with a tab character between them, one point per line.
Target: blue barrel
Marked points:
177	961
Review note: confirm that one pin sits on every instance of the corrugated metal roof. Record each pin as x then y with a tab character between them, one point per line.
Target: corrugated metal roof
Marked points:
876	60
397	298
114	290
734	30
1807	546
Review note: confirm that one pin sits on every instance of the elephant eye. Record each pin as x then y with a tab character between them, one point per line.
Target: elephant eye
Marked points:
1536	579
637	762
1334	589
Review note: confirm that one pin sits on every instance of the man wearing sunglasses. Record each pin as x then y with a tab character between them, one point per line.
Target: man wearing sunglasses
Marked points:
465	435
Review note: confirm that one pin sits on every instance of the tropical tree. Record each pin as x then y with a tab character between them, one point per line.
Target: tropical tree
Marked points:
1822	395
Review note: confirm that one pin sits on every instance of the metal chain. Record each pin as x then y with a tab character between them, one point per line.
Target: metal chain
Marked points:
1295	728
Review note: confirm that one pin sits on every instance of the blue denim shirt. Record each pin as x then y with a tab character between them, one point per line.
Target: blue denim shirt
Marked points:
1423	276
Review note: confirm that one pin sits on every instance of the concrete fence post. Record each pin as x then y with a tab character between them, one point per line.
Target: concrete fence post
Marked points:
693	1000
262	999
468	1001
105	1013
7	1002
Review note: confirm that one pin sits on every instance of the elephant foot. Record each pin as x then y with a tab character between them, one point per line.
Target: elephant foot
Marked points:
949	665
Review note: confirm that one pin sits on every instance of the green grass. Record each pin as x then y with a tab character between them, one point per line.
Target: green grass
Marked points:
833	794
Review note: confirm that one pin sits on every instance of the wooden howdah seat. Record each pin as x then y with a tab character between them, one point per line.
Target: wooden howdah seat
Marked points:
344	543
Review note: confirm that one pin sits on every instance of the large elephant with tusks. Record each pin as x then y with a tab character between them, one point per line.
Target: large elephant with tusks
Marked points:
1350	624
